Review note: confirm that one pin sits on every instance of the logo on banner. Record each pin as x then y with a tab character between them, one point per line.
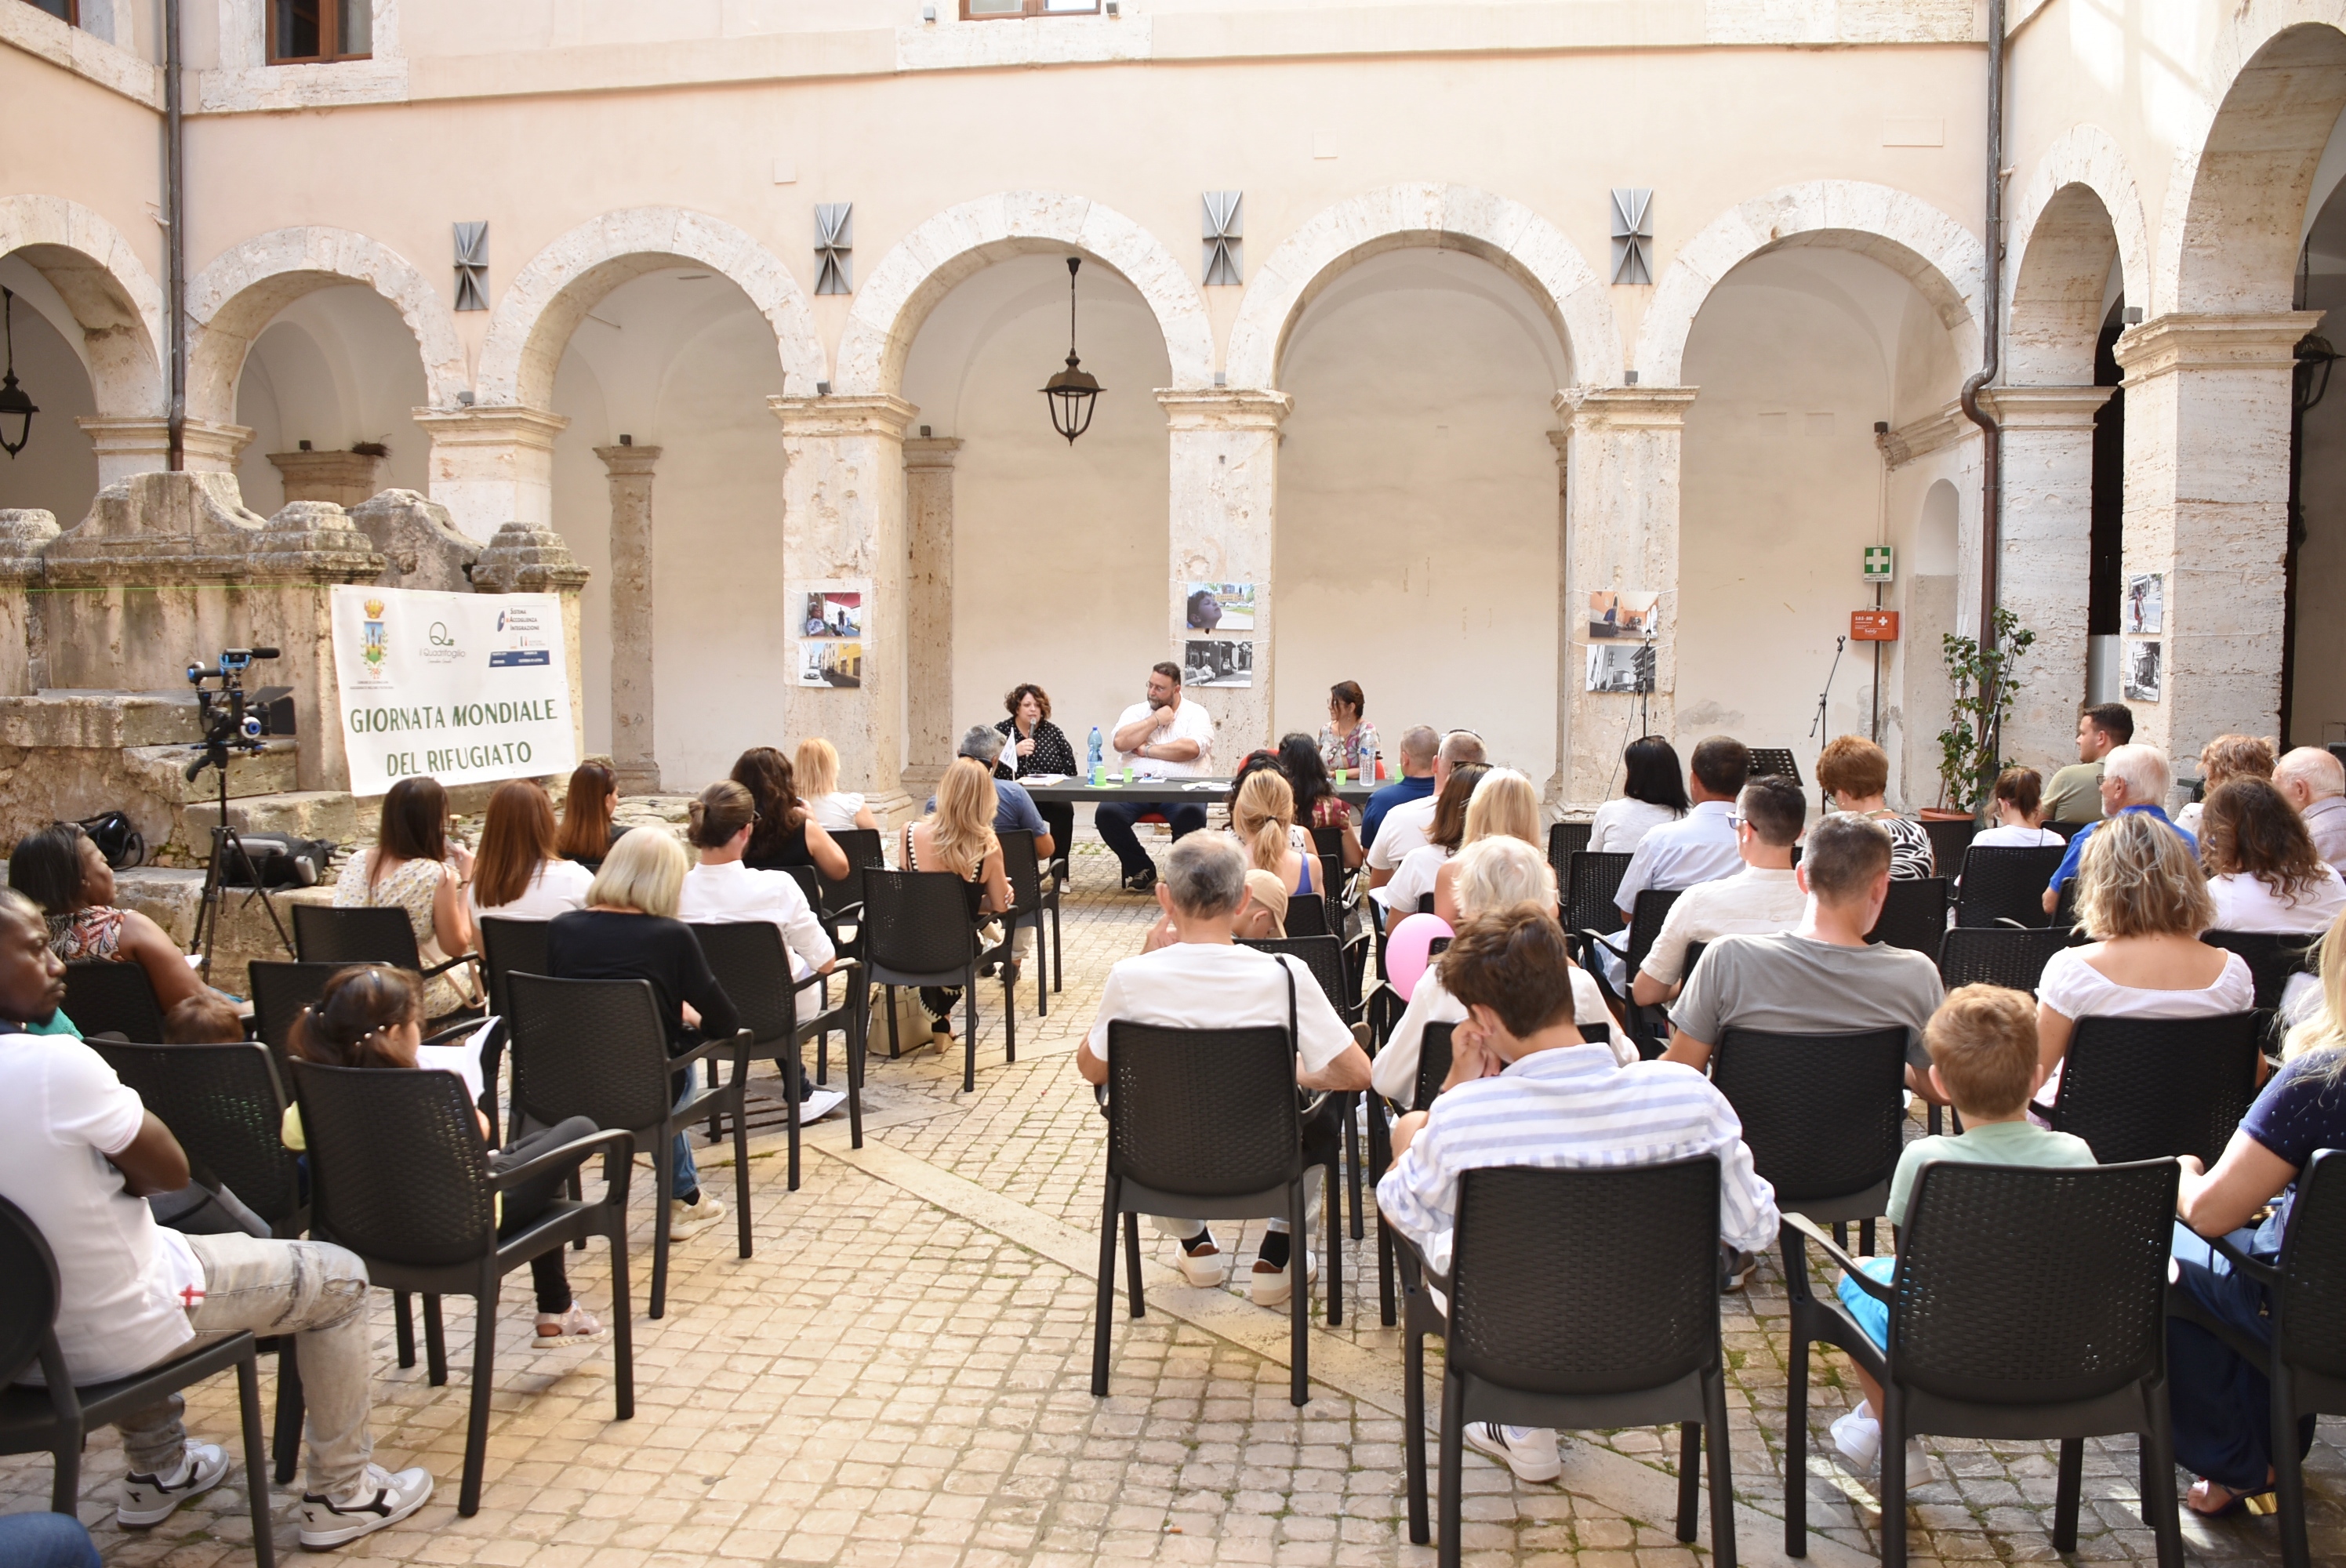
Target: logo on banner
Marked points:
523	633
374	645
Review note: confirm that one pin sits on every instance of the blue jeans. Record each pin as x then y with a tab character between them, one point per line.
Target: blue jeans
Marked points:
46	1541
2221	1405
687	1183
1114	820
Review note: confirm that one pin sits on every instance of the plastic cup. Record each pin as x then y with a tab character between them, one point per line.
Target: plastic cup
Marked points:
1127	773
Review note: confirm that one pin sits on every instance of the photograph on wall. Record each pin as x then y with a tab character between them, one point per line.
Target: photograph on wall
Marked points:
2144	612
2142	669
1622	612
831	610
1220	606
1217	664
830	661
1621	667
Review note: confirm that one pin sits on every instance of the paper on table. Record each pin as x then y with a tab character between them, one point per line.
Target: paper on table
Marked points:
462	1058
1046	779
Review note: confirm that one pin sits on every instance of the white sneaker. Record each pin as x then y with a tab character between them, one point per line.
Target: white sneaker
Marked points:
1206	1268
576	1327
379	1499
1859	1437
1532	1457
686	1220
149	1500
821	1102
1270	1287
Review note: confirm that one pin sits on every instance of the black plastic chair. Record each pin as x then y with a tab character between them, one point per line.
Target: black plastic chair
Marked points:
1566	840
510	946
1914	916
810	881
842	900
1324	957
2067	831
402	1179
323	935
60	1417
2005	885
1825	1118
753	969
112	996
1029	899
2027	1304
282	990
1648	1026
1948	840
1579	1299
1588	887
917	932
2273	957
598	1049
1206	1124
1998	956
2305	1364
2143	1088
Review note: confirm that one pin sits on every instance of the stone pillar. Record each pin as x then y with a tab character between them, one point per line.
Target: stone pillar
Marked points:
491	466
523	558
128	444
928	607
23	536
1225	495
634	759
1621	531
2206	493
344	478
844	516
2046	562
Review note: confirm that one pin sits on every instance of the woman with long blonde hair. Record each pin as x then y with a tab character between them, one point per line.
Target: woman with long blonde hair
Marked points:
1503	806
833	809
957	839
1263	817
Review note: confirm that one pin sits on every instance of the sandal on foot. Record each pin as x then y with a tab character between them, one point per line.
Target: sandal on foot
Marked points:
576	1327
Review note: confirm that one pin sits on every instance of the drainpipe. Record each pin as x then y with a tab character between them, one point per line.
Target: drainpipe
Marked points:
175	215
1991	337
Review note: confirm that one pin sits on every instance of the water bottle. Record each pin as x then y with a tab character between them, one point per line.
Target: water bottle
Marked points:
1093	767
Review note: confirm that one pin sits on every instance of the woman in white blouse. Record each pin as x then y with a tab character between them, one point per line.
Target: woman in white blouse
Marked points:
1653	792
2140	894
2019	803
2262	871
1414	878
833	809
518	873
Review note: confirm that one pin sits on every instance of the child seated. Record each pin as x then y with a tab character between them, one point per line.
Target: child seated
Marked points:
1983	1045
207	1018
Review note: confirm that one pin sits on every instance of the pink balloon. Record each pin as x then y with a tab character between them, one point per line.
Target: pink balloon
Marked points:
1406	949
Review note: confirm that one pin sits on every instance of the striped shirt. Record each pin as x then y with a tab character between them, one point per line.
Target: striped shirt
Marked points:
1571	1109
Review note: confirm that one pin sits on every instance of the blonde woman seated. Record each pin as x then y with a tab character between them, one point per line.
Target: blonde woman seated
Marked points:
1492	873
1414	878
831	808
2141	896
1262	815
1503	805
957	839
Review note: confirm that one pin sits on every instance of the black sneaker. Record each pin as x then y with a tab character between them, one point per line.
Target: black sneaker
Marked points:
1735	1269
1141	881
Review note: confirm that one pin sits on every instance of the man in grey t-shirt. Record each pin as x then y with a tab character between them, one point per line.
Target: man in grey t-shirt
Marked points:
1821	977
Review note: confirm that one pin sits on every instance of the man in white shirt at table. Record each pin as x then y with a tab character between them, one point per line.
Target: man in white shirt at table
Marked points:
1761	898
1166	735
1202	980
1407	825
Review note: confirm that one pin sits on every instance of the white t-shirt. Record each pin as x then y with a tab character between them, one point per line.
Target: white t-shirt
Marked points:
732	893
2246	902
834	812
1213	985
1405	829
1755	902
1395	1073
1620	826
1190	721
2008	837
1413	879
62	1112
2075	989
556	887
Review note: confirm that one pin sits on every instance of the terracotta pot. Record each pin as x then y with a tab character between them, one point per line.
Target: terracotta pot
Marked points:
1943	814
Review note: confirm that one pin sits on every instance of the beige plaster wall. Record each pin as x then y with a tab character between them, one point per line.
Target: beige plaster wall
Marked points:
57	470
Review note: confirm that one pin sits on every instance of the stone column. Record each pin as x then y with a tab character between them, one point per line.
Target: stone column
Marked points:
1622	532
345	478
492	466
527	559
1224	494
844	516
928	607
635	760
128	444
23	536
2206	493
2046	562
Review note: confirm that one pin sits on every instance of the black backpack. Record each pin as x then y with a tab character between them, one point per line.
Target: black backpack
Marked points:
115	838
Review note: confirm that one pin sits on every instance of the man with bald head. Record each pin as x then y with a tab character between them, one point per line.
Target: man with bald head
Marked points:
2314	782
1405	826
1420	745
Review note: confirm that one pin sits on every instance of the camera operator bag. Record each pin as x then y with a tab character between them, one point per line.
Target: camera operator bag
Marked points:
279	860
116	840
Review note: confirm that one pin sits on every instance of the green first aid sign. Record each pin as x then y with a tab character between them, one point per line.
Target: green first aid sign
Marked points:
1877	564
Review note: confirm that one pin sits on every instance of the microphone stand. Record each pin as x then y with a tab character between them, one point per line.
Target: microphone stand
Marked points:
1825	696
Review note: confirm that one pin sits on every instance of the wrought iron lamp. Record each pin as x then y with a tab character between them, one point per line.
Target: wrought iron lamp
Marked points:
17	408
1073	390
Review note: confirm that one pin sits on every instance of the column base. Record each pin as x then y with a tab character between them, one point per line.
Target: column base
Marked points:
637	777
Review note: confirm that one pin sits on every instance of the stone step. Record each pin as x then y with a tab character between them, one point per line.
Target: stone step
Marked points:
164	771
99	718
304	813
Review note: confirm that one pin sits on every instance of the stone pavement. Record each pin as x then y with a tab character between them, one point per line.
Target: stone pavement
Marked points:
900	1377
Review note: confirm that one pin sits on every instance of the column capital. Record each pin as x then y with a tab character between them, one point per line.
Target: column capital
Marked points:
1224	408
527	558
1649	408
136	443
931	451
841	415
2044	408
511	425
2261	339
1562	441
628	462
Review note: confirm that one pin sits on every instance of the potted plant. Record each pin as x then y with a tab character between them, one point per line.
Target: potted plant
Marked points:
1984	680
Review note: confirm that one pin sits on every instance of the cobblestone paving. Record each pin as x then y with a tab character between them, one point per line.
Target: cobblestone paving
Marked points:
900	1376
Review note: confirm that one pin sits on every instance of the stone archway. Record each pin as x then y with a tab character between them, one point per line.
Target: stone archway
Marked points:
2080	211
117	306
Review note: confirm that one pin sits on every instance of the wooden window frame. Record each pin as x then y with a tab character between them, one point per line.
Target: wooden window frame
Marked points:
1031	8
73	12
330	22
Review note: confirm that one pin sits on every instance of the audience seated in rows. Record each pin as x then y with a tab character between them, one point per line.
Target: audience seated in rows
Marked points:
629	931
2263	873
1317	804
1493	873
1348	740
1262	819
1260	916
416	867
1854	773
2221	760
60	869
1445	834
1408	824
1420	745
1653	792
1524	1089
1203	981
1505	805
1700	846
1762	897
587	803
2313	780
815	771
2135	782
786	835
2018	804
78	1154
2074	793
957	837
1821	977
519	871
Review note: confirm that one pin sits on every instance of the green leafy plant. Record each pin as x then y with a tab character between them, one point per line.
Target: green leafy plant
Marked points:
1986	680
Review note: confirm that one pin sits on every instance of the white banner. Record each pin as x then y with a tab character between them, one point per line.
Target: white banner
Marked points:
466	688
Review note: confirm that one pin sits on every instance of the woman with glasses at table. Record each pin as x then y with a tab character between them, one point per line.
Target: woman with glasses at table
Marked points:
1348	740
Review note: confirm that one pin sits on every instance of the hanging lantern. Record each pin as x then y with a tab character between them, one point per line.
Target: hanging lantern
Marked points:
1071	391
17	408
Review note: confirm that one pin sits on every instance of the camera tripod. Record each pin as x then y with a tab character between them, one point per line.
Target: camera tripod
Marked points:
226	841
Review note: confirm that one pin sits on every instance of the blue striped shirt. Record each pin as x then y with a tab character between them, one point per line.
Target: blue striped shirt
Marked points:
1572	1108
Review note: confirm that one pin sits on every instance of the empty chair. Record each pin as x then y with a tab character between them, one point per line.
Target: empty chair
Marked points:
104	996
842	900
917	932
2143	1088
1998	956
325	935
1589	884
1825	1117
1645	924
507	946
750	962
2001	885
2027	1304
1029	897
226	1106
1913	915
1566	840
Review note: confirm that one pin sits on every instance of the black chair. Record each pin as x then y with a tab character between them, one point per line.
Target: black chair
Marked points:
1029	899
402	1179
282	990
2273	957
2143	1088
1914	916
1589	885
1948	840
1308	917
1645	924
2027	1304
917	931
598	1049
510	946
842	900
1998	956
60	1417
2005	885
1206	1124
1324	957
112	996
2305	1364
1824	1117
1566	840
753	969
323	935
1579	1299
2067	831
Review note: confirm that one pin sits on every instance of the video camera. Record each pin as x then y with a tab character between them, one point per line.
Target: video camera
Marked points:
234	719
